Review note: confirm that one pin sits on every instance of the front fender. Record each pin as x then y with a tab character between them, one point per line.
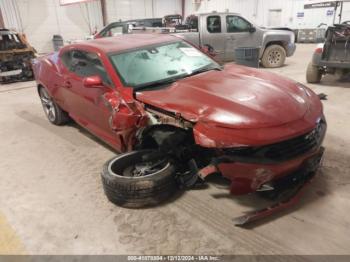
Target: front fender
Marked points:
317	55
287	39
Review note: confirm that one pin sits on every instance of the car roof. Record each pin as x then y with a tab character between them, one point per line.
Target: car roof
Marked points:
126	42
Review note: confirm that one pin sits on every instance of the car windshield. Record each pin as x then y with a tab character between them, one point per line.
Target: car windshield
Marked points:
160	64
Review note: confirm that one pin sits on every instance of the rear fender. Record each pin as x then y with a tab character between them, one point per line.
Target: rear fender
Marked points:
317	55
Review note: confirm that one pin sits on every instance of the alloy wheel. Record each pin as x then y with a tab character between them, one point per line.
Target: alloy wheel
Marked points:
48	105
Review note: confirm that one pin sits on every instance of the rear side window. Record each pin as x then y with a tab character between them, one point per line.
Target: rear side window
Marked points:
236	24
85	64
67	60
214	24
118	30
192	22
113	30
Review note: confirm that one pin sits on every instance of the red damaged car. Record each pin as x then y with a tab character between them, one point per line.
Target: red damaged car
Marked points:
178	116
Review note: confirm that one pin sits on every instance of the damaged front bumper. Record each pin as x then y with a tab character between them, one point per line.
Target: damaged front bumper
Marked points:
291	187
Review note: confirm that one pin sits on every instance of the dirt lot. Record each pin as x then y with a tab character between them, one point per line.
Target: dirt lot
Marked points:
52	202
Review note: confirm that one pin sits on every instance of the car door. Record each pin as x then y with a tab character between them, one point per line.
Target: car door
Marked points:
211	34
88	105
238	34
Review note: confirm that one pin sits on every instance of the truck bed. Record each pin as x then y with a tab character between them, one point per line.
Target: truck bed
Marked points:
337	45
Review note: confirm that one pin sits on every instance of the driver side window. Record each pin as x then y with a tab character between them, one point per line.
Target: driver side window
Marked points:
236	24
85	64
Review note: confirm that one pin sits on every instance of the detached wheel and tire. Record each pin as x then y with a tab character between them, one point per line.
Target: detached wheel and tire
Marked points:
313	74
274	56
52	111
135	180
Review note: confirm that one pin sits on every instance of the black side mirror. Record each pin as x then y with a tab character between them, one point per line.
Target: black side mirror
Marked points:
252	29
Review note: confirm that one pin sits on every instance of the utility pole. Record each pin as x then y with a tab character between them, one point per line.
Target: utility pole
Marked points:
183	9
104	12
2	24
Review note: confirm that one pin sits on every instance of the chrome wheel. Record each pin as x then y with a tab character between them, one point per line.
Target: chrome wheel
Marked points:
48	105
145	168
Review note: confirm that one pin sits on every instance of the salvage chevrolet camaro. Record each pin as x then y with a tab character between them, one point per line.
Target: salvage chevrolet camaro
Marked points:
177	115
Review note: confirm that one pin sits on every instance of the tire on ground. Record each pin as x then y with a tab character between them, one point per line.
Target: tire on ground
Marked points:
61	117
274	56
137	192
313	74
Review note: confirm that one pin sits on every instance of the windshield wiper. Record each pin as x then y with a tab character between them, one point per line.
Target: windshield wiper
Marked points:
156	83
205	69
174	79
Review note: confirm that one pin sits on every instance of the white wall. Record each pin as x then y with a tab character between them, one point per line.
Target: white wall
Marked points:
134	9
41	19
257	11
245	7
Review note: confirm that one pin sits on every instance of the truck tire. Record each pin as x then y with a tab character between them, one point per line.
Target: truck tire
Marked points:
274	56
126	188
52	111
313	74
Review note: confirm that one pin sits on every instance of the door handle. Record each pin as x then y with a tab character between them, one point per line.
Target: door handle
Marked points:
67	84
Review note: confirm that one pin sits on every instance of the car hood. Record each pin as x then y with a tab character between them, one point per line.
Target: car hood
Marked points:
236	97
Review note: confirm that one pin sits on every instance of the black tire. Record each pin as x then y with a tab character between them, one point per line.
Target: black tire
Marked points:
140	191
274	56
52	111
313	74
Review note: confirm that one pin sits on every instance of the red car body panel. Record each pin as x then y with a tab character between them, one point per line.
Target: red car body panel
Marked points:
249	177
269	108
235	107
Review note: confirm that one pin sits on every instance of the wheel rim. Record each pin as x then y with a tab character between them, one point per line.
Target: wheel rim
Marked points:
145	168
275	57
48	105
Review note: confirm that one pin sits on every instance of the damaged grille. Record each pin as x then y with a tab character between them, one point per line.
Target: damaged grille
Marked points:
284	150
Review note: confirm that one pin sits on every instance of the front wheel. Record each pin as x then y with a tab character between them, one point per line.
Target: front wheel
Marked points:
52	111
138	179
274	56
313	74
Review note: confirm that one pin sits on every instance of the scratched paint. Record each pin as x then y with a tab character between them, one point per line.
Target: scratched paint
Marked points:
10	243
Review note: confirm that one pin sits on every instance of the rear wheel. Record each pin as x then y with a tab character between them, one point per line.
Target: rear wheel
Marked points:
138	179
274	56
313	74
52	111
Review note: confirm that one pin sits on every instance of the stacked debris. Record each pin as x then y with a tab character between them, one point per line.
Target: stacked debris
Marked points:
15	57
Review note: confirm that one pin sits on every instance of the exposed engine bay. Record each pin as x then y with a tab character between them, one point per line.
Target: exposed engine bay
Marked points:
173	137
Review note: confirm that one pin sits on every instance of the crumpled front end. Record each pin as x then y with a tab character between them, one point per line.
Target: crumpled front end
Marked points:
278	169
252	168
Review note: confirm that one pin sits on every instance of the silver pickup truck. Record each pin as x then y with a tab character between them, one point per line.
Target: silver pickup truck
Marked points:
224	32
221	34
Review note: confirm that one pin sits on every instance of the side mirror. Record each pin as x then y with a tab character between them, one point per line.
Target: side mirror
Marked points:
252	29
93	81
208	49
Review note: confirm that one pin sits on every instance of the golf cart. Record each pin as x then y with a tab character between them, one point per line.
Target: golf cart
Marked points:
332	57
